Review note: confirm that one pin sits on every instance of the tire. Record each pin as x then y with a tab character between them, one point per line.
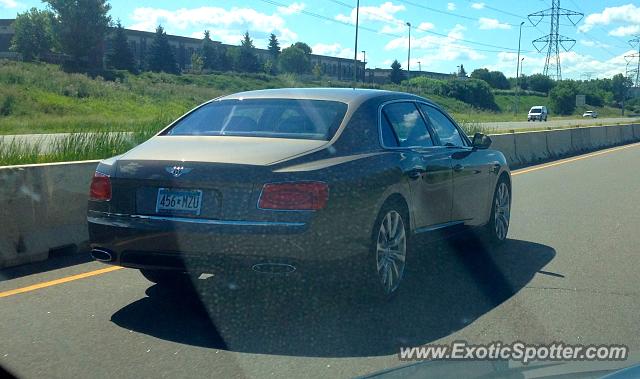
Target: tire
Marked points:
386	263
165	278
495	232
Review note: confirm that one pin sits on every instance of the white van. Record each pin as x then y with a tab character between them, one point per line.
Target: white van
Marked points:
538	113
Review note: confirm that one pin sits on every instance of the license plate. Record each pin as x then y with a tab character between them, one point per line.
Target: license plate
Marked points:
179	201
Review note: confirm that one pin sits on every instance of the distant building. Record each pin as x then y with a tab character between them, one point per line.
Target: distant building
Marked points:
184	47
6	34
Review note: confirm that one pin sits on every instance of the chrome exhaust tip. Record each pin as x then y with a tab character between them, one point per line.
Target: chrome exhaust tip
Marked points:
273	268
102	255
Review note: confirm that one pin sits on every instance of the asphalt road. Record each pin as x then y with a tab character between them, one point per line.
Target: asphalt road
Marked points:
569	272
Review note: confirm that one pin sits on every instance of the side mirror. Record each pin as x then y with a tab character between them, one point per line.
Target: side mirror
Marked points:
481	141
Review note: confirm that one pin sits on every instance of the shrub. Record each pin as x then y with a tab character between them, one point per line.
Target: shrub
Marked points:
471	91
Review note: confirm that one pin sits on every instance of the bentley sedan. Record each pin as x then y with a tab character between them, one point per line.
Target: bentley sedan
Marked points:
328	183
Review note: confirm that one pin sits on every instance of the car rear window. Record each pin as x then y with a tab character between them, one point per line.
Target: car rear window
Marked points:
275	118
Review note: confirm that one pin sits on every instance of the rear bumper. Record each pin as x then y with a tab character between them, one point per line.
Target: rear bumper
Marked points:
156	242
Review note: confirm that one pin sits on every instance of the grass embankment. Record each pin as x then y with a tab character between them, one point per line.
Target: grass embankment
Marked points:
41	98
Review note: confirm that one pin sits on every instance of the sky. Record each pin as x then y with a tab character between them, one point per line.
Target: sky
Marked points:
444	33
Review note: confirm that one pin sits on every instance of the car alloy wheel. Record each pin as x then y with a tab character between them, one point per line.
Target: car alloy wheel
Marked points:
501	211
391	251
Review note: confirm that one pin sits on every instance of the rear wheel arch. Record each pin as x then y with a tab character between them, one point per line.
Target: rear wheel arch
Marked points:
398	200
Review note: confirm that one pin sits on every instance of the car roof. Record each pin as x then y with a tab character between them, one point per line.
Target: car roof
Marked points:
345	95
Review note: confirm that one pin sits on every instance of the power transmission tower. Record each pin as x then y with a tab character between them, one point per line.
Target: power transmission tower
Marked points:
554	40
634	73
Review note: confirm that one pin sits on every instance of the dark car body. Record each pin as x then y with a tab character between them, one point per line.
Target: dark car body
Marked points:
442	186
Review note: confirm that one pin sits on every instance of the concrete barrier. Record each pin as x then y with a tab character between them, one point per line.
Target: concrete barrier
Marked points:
636	132
614	135
559	143
626	132
44	208
580	140
598	137
506	144
531	147
526	148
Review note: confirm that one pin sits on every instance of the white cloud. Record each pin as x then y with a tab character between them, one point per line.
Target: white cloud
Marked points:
334	50
477	5
425	26
573	64
384	12
291	9
451	6
624	31
9	4
591	43
627	14
225	25
491	24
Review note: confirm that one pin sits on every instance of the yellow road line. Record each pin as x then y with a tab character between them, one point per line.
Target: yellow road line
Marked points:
59	281
115	268
558	163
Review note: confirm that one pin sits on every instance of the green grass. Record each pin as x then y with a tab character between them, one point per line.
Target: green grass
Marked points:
41	98
73	147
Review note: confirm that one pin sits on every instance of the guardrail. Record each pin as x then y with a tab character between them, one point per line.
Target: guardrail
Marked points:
526	148
44	206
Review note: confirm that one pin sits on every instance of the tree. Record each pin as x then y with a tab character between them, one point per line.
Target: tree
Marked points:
461	72
247	60
121	57
497	80
396	75
161	57
481	74
209	52
317	71
563	97
303	46
197	62
619	85
80	28
33	34
274	46
540	83
293	59
269	67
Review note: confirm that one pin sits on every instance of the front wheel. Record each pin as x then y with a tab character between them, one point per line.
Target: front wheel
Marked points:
498	227
389	248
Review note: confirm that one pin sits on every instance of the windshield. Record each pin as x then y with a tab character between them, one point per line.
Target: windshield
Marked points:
273	118
535	110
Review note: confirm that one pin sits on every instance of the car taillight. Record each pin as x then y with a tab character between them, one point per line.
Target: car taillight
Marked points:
100	187
302	196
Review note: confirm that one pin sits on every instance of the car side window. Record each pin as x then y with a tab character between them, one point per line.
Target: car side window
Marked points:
444	128
389	138
407	124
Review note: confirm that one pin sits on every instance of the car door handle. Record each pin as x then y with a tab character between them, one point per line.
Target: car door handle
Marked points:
458	168
416	173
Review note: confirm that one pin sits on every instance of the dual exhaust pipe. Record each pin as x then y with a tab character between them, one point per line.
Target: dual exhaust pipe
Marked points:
102	255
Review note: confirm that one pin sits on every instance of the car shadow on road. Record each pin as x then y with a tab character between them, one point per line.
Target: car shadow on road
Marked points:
451	285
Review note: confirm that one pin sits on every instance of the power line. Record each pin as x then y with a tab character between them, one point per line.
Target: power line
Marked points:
500	49
630	73
554	39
